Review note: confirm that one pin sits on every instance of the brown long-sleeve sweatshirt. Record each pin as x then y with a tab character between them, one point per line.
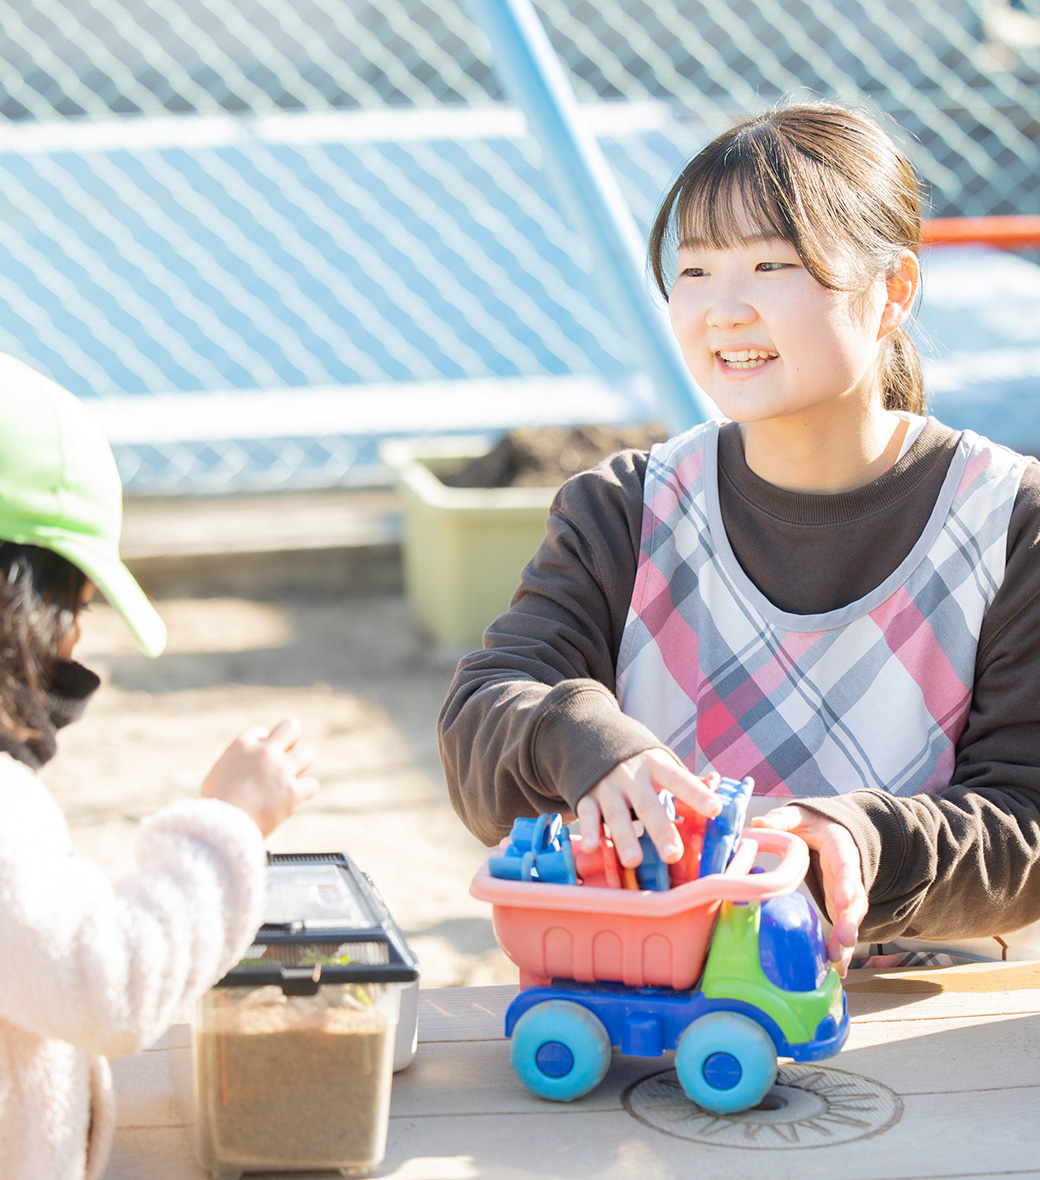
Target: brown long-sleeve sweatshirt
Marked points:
531	722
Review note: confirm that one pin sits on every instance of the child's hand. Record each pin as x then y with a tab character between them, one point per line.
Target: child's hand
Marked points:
260	772
632	786
840	868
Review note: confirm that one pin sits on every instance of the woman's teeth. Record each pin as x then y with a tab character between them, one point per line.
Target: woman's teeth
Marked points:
746	358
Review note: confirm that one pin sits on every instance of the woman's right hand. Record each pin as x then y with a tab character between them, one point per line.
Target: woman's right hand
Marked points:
633	786
840	870
261	773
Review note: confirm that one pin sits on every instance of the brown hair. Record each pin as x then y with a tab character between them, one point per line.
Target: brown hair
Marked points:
40	597
828	180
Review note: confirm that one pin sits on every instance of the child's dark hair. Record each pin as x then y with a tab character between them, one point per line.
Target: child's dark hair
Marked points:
828	180
40	597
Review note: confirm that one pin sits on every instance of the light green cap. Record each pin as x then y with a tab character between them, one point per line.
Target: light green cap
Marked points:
60	489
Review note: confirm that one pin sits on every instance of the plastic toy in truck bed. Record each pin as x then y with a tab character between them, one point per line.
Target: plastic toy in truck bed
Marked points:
714	957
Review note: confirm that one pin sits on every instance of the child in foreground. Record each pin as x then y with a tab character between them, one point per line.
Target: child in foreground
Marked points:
92	969
830	591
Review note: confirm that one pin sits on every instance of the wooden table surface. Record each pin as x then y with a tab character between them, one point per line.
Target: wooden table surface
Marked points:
940	1077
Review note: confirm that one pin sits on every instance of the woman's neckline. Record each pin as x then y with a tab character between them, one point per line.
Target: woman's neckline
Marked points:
827	508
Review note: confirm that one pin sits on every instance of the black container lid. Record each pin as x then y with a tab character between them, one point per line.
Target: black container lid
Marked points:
324	922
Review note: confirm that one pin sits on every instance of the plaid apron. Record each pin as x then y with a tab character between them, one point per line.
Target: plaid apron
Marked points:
875	694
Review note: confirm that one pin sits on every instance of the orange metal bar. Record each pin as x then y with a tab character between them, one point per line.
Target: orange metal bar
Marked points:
1012	232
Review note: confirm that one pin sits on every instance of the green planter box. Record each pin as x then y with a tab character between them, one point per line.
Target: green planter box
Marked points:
463	548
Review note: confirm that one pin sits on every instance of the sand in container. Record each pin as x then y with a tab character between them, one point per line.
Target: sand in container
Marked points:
293	1052
301	1082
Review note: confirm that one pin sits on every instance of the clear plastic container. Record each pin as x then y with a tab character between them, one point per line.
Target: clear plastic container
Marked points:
292	1054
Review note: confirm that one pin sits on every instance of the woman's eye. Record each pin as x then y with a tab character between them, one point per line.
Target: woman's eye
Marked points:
692	272
770	266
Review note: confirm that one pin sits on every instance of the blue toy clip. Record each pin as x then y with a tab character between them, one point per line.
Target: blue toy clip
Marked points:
535	833
652	872
558	866
539	849
722	833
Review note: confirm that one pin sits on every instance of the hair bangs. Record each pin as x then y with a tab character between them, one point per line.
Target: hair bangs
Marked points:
730	206
730	193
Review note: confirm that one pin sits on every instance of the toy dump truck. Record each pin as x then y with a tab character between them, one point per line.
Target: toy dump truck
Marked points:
728	968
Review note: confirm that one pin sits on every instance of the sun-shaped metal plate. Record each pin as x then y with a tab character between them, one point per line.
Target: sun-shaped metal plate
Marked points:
809	1106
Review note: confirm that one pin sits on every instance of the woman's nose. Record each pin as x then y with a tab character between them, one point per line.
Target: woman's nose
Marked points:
729	307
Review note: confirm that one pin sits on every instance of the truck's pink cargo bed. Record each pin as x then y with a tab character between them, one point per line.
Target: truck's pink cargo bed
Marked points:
635	937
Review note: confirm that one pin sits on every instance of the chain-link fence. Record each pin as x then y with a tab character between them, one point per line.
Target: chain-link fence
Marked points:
322	212
960	76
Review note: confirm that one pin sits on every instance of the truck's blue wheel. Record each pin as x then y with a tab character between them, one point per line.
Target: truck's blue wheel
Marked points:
726	1062
560	1050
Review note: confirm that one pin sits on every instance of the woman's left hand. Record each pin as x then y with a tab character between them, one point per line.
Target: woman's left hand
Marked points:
840	869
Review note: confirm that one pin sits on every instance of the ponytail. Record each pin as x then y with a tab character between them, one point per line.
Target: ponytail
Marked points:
902	379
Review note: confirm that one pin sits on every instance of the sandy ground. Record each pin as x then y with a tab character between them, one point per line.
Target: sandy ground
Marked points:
367	690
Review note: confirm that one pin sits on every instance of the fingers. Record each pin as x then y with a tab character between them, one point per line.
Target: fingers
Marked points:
305	788
634	786
840	870
850	906
661	830
590	826
782	819
252	736
286	733
670	775
264	773
615	806
284	739
299	758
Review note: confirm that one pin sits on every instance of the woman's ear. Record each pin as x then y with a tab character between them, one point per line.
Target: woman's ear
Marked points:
901	287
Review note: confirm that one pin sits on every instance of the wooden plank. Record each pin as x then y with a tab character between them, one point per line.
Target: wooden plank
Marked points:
463	1013
968	991
144	1092
968	977
946	1056
153	1153
984	1135
476	1078
146	1082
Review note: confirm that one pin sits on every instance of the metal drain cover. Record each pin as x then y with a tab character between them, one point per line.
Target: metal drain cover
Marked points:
809	1106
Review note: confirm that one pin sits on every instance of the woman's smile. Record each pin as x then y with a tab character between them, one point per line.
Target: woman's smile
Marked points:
745	358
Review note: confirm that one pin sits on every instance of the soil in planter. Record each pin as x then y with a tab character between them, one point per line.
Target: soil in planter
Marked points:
546	456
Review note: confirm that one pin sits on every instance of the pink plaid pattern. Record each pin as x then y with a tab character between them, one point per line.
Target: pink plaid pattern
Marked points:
873	695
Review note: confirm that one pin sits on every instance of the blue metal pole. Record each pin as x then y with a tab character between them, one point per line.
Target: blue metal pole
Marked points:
532	76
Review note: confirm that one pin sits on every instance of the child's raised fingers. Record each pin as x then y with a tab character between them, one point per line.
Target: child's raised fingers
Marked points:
251	737
286	733
299	757
590	826
305	788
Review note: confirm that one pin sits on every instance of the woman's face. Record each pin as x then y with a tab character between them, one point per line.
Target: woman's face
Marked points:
764	339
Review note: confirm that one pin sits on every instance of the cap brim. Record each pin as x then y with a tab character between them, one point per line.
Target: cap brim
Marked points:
121	590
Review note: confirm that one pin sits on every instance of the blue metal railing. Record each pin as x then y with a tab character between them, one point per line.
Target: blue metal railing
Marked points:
531	74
